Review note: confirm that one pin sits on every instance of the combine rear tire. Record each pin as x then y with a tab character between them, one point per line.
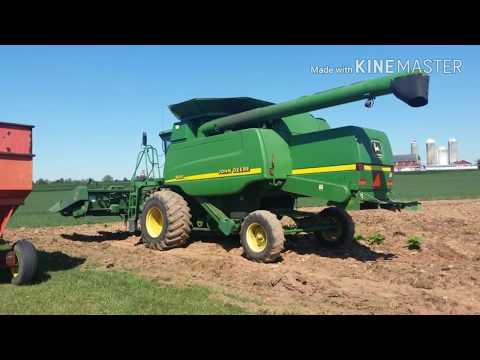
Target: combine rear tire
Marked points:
342	233
165	221
262	236
27	261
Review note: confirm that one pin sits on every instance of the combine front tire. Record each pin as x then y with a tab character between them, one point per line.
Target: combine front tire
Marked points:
262	236
342	231
165	221
27	263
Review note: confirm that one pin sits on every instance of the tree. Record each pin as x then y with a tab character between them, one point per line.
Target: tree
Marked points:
107	178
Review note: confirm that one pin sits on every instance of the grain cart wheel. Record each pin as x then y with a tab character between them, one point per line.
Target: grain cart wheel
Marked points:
342	233
27	263
262	236
165	220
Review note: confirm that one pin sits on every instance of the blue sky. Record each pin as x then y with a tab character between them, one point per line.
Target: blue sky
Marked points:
90	104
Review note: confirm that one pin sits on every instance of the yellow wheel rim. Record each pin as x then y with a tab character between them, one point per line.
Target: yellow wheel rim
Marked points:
154	222
14	271
256	237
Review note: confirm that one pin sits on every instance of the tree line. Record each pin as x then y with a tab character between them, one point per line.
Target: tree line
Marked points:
106	178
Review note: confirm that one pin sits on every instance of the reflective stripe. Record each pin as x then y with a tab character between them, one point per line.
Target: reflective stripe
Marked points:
350	167
378	168
322	169
256	171
215	175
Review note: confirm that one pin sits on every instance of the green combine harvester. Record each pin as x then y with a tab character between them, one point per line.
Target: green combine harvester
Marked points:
238	165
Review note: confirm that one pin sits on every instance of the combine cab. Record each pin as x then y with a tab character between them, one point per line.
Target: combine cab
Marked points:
238	165
20	258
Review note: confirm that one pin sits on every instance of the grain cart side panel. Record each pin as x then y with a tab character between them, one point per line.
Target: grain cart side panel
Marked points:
19	257
15	168
16	157
16	172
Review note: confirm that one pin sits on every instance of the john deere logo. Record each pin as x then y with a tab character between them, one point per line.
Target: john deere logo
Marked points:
236	170
377	148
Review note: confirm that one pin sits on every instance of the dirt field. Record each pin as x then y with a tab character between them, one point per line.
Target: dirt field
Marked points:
442	278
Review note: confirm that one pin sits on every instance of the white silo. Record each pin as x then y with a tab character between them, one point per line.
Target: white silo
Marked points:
431	152
442	156
414	148
452	151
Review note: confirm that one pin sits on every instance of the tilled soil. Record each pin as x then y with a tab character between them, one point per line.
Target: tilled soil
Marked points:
441	278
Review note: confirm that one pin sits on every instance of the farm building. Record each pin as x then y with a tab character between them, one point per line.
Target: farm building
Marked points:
407	162
457	165
462	163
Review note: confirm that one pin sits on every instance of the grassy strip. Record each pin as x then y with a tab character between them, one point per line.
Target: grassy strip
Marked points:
64	287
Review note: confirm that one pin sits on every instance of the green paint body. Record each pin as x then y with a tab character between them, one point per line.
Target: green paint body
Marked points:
263	158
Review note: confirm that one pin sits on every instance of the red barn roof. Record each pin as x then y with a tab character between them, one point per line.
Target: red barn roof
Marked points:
462	162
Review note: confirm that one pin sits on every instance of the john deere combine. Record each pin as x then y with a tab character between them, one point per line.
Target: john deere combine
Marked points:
238	165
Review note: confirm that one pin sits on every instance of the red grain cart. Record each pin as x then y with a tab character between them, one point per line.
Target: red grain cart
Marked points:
20	258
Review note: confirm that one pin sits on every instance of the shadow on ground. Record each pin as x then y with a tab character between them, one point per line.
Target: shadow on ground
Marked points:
100	237
305	244
299	244
48	262
55	261
226	242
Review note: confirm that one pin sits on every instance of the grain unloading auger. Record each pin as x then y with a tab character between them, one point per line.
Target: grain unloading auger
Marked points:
237	165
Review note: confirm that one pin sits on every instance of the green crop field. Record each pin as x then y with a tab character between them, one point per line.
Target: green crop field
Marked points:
431	185
428	185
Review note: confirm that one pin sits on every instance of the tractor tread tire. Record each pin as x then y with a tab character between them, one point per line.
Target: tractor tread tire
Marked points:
275	234
177	216
348	228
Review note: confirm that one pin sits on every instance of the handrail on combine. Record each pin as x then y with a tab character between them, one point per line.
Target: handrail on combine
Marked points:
148	155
